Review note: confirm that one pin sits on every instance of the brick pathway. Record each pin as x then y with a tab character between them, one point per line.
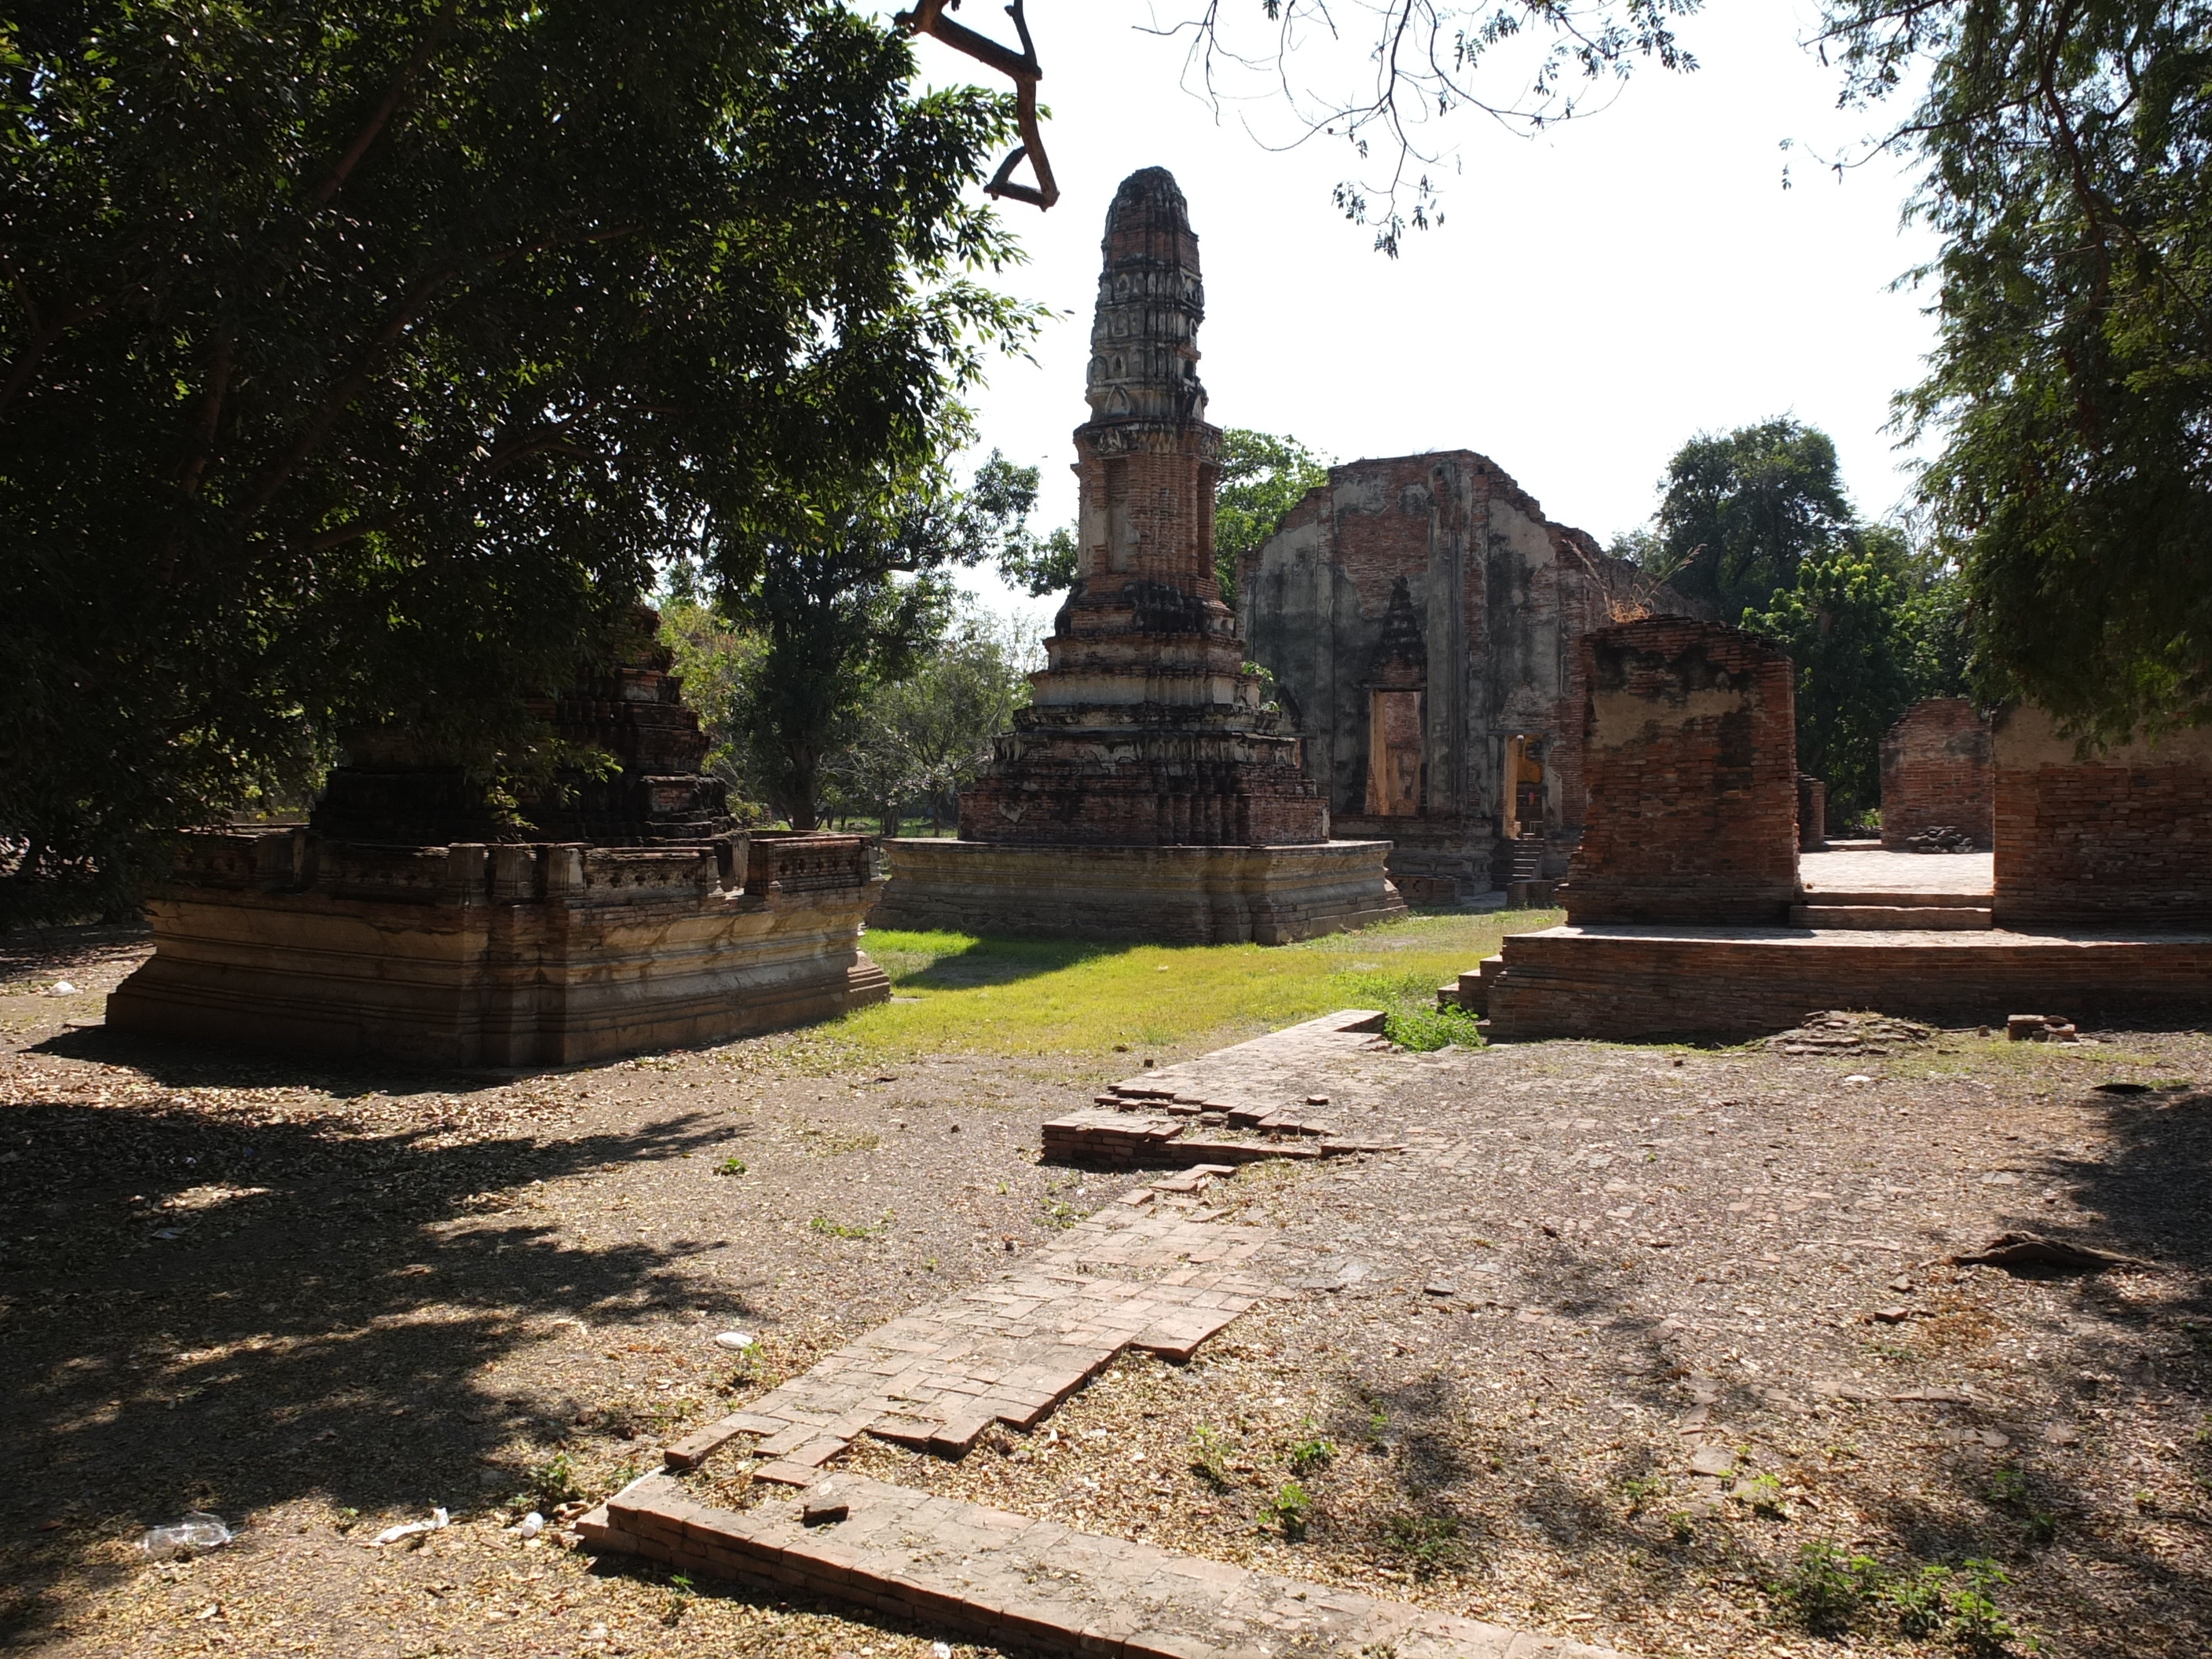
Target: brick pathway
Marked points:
1144	1276
1015	1581
1145	1272
1267	1085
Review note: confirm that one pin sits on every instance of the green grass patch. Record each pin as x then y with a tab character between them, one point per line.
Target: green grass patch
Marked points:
959	992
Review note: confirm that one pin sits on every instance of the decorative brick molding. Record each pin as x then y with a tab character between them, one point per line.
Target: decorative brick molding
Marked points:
1937	771
2121	838
1690	751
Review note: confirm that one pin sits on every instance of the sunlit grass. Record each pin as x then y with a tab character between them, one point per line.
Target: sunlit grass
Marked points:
959	992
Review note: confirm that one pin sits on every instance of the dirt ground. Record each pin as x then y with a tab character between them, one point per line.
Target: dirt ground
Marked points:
319	1300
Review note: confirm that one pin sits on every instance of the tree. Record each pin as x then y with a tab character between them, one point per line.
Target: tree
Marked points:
716	663
846	599
1262	478
1843	624
1418	63
2066	144
361	360
1035	565
921	738
1742	511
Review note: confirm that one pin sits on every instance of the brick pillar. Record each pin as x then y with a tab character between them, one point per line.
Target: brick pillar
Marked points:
1690	757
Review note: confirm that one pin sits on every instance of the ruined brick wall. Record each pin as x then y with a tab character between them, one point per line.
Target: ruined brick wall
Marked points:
1689	747
1936	771
2120	839
1435	572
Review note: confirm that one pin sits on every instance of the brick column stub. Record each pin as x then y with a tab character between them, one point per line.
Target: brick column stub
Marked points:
1689	752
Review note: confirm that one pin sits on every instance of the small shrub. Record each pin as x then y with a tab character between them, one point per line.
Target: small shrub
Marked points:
828	1229
1763	1493
1426	1029
554	1483
1957	1607
1312	1452
1827	1589
1429	1542
1209	1454
1290	1508
1640	1489
730	1166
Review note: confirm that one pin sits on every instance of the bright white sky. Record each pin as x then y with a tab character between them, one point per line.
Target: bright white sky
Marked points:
1594	296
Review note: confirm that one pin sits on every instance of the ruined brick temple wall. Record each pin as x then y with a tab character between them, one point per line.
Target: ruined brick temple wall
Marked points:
1689	750
1936	770
1435	573
2123	839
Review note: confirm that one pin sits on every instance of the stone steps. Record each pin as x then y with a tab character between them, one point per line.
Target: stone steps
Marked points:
1880	908
1893	916
1017	1581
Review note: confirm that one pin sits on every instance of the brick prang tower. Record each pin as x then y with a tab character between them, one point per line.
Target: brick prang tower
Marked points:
1145	729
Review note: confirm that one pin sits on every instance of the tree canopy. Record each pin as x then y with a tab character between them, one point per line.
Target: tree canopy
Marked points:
2066	145
1755	523
1742	511
362	361
1262	478
845	600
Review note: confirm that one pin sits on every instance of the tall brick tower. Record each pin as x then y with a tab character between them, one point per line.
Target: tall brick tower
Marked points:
1149	790
1145	729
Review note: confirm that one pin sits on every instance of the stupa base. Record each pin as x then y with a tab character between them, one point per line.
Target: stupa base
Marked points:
500	957
1161	894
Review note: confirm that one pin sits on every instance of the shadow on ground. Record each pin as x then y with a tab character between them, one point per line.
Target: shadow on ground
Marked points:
998	962
230	1309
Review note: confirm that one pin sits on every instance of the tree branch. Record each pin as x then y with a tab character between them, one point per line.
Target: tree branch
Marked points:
415	63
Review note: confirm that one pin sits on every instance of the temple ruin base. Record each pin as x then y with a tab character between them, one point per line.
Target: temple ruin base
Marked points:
544	954
1649	983
1165	895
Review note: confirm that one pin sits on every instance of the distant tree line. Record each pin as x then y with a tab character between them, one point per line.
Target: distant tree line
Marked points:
1755	524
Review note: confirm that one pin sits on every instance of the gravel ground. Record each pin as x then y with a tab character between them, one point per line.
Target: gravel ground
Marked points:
1596	1262
318	1302
321	1300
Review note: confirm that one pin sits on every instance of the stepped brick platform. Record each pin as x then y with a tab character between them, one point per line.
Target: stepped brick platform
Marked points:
1150	789
1164	895
1728	983
1014	1581
536	954
616	914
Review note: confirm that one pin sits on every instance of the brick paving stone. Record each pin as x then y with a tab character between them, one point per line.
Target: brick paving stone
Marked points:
1010	1351
1010	1579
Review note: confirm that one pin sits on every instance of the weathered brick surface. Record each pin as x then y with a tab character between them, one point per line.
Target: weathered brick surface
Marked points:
2120	839
1936	770
1018	1581
1144	729
1644	983
1689	750
1152	1278
1433	585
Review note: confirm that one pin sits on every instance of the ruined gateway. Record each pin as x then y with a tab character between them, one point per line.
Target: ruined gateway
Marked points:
1420	615
1148	791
